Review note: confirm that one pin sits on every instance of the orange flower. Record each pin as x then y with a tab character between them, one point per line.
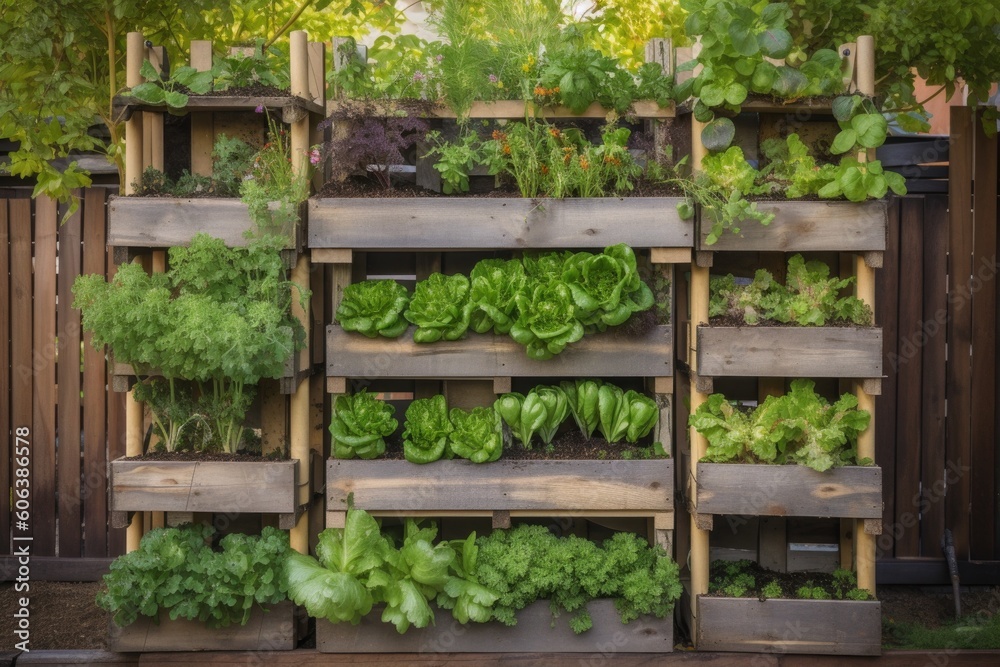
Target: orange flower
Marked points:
545	169
583	163
554	131
539	91
499	136
610	159
506	149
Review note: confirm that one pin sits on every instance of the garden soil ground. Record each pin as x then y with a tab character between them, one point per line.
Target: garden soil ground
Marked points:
63	615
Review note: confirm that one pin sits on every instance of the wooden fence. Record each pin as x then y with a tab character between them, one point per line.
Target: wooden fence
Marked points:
54	384
937	421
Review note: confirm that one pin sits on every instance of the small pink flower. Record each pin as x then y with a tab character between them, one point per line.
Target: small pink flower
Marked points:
493	78
259	109
419	76
439	58
314	157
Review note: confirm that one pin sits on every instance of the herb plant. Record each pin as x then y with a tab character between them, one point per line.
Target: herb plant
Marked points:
175	570
170	90
360	424
374	308
798	427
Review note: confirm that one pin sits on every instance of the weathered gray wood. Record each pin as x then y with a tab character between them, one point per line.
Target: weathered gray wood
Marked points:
204	486
440	223
836	627
849	352
807	225
617	485
486	356
271	630
789	490
289	107
162	222
536	630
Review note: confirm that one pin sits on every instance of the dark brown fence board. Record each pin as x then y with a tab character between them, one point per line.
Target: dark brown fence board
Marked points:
984	311
95	436
42	362
5	424
932	415
887	316
116	431
908	373
68	420
960	240
22	379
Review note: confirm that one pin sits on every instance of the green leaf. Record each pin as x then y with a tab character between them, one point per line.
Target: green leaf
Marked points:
702	112
790	82
735	94
742	39
845	106
175	99
775	42
712	95
852	182
871	129
719	134
845	141
764	76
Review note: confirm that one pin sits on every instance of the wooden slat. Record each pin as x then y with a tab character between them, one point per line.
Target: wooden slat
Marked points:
162	222
116	435
887	315
852	352
486	356
69	380
840	627
273	630
536	630
789	490
799	226
54	568
518	224
909	371
288	107
95	453
43	432
502	485
959	381
203	486
933	465
983	498
5	381
907	153
516	109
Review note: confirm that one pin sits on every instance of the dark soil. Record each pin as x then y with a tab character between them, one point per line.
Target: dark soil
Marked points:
734	321
203	456
790	582
256	90
62	616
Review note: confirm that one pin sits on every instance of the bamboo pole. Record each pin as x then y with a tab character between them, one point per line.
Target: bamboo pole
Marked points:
299	70
864	542
133	447
202	123
299	417
135	50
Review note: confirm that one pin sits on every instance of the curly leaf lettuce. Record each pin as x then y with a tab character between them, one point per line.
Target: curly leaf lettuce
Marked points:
478	434
606	287
547	320
360	424
374	308
426	430
494	285
440	308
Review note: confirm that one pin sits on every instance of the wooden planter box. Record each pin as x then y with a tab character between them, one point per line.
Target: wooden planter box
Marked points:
799	226
536	631
289	108
202	486
849	352
609	354
163	222
270	630
454	223
834	627
517	109
789	490
637	488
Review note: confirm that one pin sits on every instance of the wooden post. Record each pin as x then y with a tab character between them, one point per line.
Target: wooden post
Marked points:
202	125
135	50
299	68
152	121
864	542
133	447
299	417
698	442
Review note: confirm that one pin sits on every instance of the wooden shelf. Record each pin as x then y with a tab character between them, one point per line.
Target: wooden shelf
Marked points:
805	105
457	223
609	354
290	108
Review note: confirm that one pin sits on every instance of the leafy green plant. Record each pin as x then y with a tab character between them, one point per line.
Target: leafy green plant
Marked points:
176	571
809	298
170	90
440	308
771	590
243	70
426	430
583	399
606	287
360	424
374	308
218	315
798	427
523	415
232	160
494	286
547	320
811	592
478	434
456	160
529	563
624	414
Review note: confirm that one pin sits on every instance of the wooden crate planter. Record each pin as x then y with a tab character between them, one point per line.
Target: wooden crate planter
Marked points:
270	630
535	632
441	223
849	352
635	487
800	226
163	222
286	107
788	490
203	486
609	354
834	627
518	109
